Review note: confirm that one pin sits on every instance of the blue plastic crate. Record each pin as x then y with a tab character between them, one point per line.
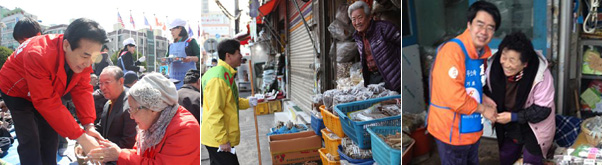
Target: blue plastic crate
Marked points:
354	161
381	151
317	125
356	130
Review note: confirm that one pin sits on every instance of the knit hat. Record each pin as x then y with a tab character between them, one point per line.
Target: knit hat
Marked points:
154	92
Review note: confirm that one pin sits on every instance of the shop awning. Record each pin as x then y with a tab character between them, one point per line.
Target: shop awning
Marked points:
243	37
266	9
245	40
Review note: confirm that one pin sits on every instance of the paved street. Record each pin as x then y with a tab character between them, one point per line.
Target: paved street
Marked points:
247	149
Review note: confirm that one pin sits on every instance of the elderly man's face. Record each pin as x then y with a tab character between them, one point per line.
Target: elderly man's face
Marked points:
360	20
110	87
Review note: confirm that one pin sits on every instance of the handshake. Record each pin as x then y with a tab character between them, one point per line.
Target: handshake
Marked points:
489	111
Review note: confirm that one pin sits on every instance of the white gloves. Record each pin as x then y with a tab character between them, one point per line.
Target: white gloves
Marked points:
252	101
142	69
142	59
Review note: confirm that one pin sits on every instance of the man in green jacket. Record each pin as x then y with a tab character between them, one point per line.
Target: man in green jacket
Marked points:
219	127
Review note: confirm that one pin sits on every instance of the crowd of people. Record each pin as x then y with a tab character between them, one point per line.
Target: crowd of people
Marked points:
121	114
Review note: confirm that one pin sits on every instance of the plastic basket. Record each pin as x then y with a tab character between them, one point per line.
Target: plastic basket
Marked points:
325	161
356	130
317	124
382	153
262	108
354	161
275	106
332	122
331	144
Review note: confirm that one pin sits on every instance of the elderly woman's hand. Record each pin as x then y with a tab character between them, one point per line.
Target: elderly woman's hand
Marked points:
108	152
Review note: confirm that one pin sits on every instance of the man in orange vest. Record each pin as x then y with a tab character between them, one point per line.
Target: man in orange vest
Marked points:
457	80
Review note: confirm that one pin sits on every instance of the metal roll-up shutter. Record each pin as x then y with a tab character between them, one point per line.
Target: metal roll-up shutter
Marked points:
302	55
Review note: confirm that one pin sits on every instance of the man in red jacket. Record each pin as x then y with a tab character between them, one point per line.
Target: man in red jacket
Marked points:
36	76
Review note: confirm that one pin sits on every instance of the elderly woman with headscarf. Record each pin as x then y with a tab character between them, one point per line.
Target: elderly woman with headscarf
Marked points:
167	132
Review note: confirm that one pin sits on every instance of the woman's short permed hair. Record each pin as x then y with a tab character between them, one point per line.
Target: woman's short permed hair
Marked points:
519	42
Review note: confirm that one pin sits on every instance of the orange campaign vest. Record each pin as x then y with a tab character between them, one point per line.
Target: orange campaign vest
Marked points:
451	107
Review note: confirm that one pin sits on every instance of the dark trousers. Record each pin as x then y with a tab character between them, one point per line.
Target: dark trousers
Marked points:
453	155
221	158
38	142
510	152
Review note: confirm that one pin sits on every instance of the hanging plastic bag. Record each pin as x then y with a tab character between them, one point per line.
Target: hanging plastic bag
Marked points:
342	13
346	51
340	31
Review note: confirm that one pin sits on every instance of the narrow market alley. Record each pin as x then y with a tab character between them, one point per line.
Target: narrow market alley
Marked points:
247	149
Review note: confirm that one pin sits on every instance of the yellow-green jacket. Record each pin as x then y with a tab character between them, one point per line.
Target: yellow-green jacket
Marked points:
220	106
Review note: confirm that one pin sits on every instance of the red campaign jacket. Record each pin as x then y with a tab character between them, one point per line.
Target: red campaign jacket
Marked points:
36	72
180	144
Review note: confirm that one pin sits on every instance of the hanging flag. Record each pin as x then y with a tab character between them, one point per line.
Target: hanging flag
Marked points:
157	21
147	24
132	20
190	32
166	22
120	20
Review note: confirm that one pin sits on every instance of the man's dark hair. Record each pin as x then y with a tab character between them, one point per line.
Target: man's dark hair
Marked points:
84	28
519	42
26	28
192	76
214	60
486	7
227	46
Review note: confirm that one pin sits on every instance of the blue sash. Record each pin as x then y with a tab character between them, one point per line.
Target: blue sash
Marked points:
474	88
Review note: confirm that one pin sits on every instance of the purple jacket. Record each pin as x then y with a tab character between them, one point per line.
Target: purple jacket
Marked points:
385	41
542	94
